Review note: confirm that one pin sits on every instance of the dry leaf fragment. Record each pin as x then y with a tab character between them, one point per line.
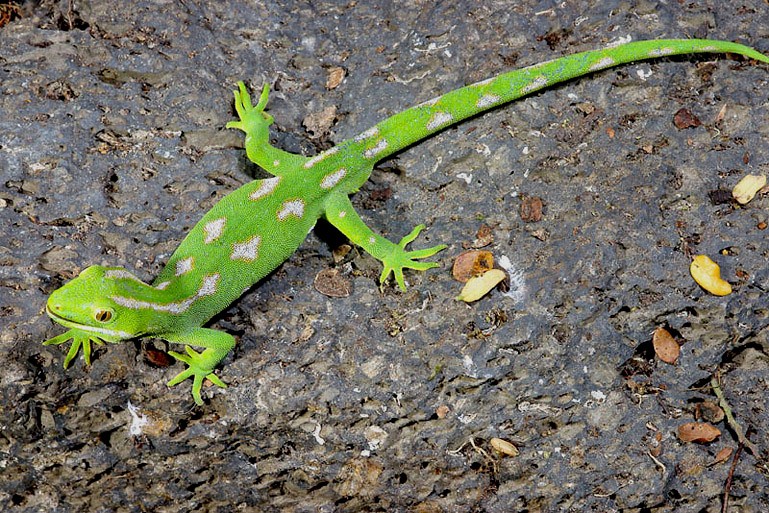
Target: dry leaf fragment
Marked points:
158	358
707	274
319	123
483	237
684	118
746	189
479	286
531	209
340	252
540	234
699	432
335	77
721	114
722	456
665	346
720	197
504	447
471	263
709	411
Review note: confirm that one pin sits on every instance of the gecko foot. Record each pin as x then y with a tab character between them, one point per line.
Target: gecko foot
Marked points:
199	369
401	259
79	338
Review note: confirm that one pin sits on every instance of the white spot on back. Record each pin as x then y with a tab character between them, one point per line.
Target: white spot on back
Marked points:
266	187
209	286
379	148
330	180
431	102
121	274
487	100
602	64
438	120
247	250
537	83
484	82
294	207
372	240
342	213
659	52
162	285
213	230
184	266
320	156
368	134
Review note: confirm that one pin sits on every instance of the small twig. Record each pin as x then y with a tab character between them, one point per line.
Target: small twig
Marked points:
728	485
480	450
722	402
661	465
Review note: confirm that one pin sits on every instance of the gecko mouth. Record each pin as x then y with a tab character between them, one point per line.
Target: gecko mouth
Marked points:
58	318
105	334
68	323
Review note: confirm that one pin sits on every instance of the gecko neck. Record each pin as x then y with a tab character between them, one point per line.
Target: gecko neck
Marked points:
273	160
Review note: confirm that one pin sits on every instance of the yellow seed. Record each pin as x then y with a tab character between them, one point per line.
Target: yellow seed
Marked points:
504	446
479	286
747	188
707	274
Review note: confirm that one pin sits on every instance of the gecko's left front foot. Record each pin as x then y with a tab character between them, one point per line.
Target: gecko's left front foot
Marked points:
251	118
79	338
200	368
401	259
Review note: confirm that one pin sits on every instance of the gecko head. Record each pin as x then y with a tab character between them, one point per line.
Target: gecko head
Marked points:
87	303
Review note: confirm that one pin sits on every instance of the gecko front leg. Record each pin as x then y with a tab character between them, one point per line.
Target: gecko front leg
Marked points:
201	365
394	257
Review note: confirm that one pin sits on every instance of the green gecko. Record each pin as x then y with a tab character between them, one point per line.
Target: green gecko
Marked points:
252	230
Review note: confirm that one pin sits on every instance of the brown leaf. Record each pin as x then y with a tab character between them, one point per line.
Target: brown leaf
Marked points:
472	263
531	209
665	346
699	432
684	118
158	358
722	456
709	411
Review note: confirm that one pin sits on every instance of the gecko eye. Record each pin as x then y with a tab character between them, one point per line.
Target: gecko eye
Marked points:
102	315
